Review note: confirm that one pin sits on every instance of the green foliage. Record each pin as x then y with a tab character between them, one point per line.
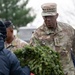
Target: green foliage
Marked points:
41	59
17	12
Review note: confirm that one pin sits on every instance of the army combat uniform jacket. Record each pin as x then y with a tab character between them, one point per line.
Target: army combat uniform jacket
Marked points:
59	40
17	43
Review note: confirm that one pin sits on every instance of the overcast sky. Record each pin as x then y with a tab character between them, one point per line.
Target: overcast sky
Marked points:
65	8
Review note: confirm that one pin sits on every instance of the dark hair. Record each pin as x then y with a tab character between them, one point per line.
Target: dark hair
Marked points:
8	24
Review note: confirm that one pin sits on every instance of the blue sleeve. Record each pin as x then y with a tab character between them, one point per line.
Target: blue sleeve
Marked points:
16	68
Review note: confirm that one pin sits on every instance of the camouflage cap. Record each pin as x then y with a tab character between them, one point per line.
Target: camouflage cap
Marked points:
49	9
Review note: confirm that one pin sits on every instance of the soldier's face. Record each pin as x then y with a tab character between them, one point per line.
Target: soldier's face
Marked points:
9	33
50	21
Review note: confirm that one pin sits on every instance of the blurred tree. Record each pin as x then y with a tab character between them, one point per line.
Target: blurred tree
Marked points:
16	11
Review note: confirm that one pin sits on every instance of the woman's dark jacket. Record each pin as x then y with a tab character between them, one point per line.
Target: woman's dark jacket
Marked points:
9	64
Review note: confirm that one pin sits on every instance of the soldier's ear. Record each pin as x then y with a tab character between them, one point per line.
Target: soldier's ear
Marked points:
11	30
43	17
57	15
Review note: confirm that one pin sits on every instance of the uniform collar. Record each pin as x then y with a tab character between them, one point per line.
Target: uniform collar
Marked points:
49	31
12	44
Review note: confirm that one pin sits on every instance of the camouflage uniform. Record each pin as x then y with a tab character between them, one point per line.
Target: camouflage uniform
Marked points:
17	43
59	40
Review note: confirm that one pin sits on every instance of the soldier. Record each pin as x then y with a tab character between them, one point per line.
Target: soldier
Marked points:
13	42
56	35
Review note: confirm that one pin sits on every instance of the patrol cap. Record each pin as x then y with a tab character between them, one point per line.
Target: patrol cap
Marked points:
2	30
49	9
8	24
